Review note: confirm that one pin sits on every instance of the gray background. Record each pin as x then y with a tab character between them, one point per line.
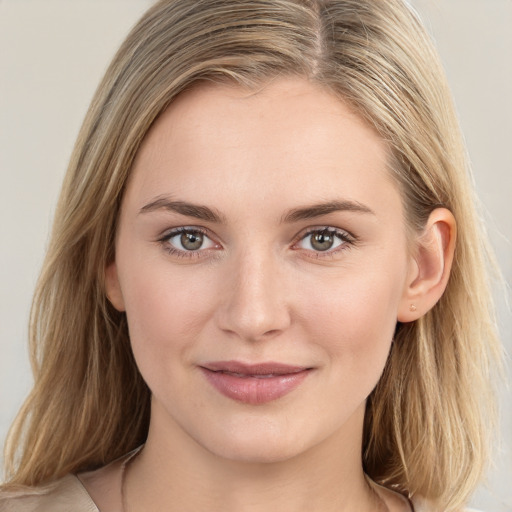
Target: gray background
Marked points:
52	55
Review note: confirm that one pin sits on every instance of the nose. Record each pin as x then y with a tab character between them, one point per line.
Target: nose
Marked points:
255	303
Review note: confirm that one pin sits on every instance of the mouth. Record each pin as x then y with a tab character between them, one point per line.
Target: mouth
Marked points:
254	384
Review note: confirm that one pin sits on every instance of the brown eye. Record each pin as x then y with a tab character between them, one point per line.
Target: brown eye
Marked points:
325	240
322	241
191	241
187	240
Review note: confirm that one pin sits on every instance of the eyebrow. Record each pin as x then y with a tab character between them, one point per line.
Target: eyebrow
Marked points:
297	214
183	208
317	210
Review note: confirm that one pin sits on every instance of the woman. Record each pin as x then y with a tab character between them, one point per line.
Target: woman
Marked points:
266	281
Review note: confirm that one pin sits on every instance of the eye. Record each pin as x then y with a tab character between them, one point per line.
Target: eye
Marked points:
187	240
325	240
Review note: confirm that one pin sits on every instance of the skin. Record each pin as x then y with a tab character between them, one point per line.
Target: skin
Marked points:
258	290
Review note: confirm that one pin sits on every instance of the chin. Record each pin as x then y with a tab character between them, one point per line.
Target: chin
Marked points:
259	444
257	453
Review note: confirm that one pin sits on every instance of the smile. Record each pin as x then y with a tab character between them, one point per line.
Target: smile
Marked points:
254	384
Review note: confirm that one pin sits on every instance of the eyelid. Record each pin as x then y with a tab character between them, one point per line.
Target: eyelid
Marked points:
347	238
169	233
171	249
331	229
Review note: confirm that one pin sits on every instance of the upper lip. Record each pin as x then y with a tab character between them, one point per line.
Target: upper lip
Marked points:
267	368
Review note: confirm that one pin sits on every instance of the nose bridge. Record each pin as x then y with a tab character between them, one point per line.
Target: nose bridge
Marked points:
255	304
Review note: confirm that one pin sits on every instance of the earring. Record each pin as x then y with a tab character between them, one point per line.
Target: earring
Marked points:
412	307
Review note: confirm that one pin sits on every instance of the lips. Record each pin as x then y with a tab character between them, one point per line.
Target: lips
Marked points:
254	384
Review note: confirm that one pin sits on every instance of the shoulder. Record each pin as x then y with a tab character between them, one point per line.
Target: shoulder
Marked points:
64	495
422	505
85	492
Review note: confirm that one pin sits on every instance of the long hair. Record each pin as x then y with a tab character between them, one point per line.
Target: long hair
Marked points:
426	427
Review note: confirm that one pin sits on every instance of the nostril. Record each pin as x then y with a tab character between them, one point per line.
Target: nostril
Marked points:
271	332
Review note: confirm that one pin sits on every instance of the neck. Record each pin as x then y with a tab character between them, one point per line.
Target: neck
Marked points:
174	472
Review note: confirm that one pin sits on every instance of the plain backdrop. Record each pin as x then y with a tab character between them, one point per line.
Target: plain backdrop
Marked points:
52	55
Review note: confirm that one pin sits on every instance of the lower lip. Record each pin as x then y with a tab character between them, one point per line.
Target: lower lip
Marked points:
254	390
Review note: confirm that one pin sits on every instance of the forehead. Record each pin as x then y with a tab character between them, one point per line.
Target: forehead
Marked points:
291	134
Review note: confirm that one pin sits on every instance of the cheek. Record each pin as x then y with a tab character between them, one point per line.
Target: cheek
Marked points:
166	312
353	318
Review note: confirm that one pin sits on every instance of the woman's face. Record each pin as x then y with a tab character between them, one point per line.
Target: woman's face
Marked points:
261	259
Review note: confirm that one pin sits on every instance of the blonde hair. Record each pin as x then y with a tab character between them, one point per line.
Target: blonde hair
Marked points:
426	427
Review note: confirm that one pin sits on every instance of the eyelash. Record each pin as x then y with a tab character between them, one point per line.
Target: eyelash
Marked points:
347	241
181	253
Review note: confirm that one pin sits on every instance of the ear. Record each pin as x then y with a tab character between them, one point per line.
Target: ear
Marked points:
113	287
430	266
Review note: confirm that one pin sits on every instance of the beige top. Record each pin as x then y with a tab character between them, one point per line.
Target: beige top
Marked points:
69	495
66	495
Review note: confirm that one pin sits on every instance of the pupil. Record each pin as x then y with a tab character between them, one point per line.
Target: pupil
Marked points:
191	241
322	241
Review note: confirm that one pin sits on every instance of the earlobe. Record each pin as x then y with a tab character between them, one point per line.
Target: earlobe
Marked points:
431	266
113	287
